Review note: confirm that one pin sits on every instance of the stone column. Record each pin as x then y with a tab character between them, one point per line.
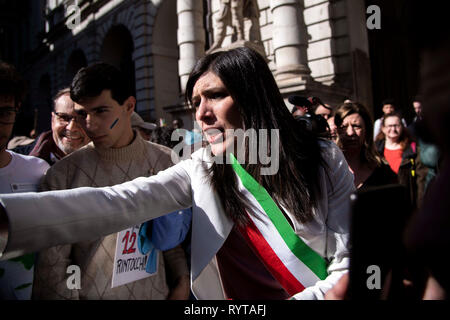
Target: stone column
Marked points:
290	42
191	37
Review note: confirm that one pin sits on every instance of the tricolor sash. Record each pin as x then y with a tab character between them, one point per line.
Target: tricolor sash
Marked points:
292	262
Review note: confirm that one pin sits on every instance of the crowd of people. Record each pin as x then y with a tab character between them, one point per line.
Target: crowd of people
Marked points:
139	226
383	152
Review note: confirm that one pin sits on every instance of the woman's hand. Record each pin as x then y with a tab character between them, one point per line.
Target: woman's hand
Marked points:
339	290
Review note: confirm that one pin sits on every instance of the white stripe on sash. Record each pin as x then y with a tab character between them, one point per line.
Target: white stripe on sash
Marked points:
298	269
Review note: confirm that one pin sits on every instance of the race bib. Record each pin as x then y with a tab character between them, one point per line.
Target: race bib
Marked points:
135	257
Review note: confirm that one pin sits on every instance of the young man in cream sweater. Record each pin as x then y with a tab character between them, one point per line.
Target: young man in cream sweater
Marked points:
125	265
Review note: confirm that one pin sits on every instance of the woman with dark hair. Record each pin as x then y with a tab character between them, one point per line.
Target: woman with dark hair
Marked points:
399	149
253	103
355	139
256	234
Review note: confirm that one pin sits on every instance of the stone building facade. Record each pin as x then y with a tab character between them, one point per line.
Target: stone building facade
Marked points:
313	47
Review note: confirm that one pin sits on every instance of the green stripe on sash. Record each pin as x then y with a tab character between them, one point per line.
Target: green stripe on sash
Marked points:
308	256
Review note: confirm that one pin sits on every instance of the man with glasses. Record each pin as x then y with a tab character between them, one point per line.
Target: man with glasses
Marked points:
18	173
66	135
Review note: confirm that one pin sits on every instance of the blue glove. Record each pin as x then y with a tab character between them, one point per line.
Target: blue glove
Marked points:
145	246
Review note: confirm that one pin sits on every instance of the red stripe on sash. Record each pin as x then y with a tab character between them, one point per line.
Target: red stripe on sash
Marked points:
275	266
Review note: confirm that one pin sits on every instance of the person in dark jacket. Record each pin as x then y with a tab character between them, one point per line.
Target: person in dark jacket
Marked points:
396	145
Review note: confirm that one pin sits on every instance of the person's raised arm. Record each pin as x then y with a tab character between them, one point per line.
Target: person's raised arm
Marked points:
34	220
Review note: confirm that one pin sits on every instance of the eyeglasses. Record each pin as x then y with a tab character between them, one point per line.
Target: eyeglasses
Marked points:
64	118
394	126
8	115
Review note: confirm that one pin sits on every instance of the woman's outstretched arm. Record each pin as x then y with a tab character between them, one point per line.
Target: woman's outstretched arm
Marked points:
35	221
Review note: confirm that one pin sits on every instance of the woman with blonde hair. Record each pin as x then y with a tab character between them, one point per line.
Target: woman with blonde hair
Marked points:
355	138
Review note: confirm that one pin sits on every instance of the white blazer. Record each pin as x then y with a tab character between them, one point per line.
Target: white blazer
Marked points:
41	220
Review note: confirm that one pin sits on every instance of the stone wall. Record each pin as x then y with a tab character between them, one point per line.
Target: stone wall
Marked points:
169	36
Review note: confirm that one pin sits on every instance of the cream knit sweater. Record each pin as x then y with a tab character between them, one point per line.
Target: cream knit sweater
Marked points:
91	167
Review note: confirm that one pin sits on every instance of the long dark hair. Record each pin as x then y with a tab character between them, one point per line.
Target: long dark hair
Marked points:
252	86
